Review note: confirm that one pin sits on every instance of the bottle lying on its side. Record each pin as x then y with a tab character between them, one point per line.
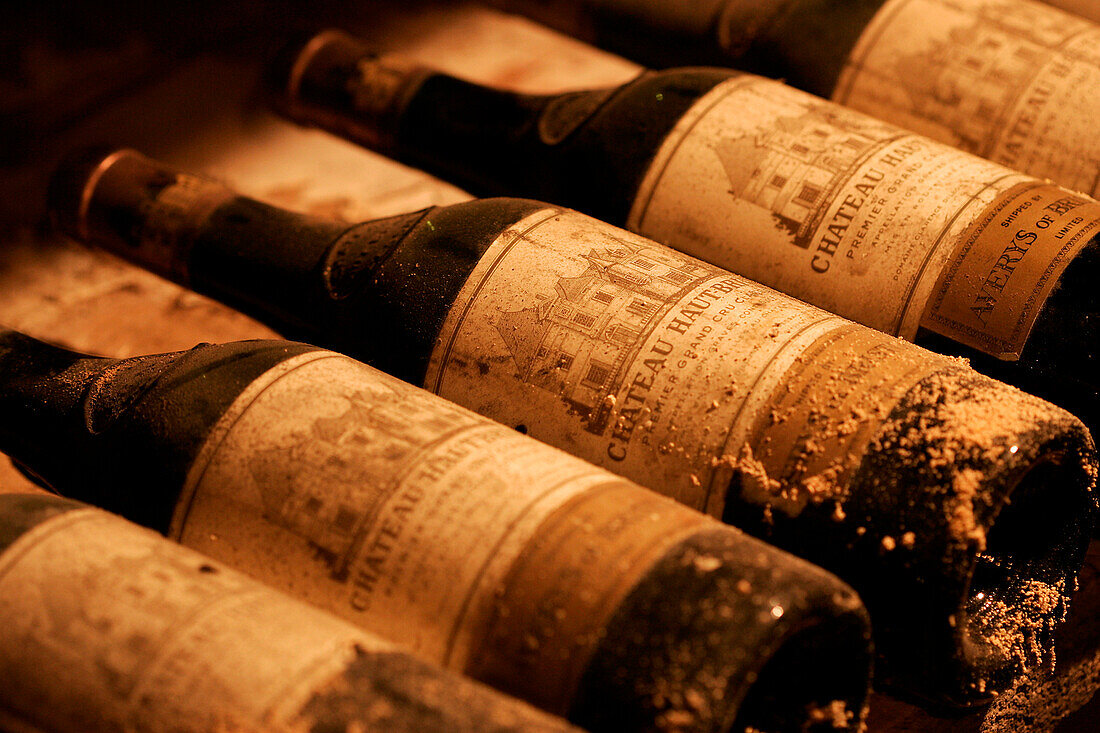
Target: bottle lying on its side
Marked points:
868	221
478	548
946	498
106	627
1014	81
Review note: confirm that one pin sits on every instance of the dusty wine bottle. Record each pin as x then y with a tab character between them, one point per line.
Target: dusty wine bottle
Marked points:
906	473
1014	81
476	547
105	626
964	256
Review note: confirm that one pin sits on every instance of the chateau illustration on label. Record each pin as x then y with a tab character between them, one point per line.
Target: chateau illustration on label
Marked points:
77	625
796	164
967	79
579	341
328	485
68	622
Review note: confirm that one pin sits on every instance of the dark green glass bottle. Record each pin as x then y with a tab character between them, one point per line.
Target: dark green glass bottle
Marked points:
478	548
907	474
864	219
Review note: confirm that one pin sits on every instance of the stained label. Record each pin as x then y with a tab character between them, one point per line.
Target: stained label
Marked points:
401	512
990	293
825	413
111	627
629	354
1014	81
851	214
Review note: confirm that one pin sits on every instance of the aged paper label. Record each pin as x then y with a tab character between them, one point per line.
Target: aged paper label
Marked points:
110	627
824	413
848	213
1007	263
631	355
399	511
819	202
1014	81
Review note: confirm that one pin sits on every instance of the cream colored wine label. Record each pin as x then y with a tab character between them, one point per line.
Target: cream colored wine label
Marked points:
1015	81
406	514
851	214
109	627
626	353
1007	263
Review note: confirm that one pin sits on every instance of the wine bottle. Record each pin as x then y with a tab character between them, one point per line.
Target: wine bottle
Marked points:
906	473
476	547
1014	81
105	626
962	255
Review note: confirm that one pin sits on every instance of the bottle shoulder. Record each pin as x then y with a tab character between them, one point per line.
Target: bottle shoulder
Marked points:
586	149
654	97
476	223
598	165
132	427
20	513
442	241
806	42
389	311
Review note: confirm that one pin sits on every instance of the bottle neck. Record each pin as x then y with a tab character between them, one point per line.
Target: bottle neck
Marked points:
585	149
32	374
69	420
136	208
42	397
20	513
490	141
266	261
336	83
